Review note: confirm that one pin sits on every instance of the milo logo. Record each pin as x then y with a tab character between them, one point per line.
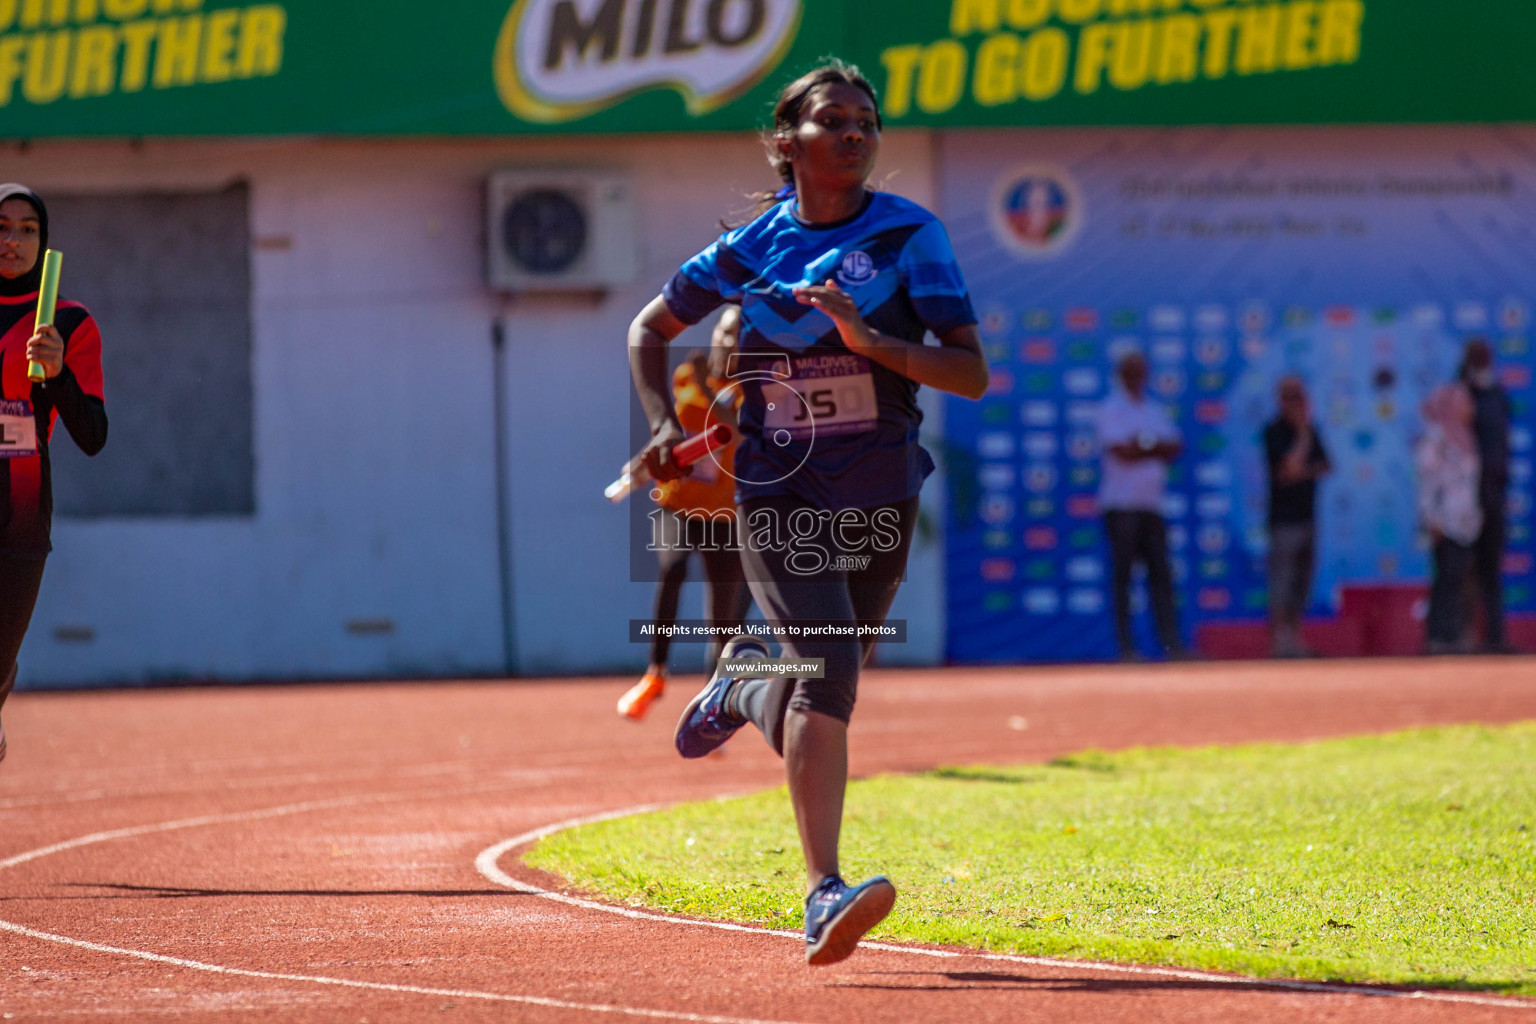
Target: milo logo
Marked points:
559	60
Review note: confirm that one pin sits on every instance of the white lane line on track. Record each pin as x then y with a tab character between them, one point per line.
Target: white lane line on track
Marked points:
487	863
272	781
380	986
375	986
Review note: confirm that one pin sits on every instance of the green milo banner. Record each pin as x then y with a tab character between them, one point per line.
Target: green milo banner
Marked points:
127	68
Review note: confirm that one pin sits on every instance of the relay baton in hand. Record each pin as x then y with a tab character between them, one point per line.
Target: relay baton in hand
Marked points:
684	454
47	300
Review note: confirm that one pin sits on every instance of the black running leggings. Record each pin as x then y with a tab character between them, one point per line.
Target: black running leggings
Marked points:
20	579
847	571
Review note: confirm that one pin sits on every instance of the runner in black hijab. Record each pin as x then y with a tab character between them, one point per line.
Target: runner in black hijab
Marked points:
69	352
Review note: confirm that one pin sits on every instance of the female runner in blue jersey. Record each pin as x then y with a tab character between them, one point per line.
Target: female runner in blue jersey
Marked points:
838	286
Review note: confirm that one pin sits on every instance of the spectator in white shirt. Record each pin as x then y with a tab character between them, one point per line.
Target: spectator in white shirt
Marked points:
1139	442
1449	468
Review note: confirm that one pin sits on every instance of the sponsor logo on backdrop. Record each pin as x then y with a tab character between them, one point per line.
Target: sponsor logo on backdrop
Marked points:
1085	569
1255	318
1428	316
1083	506
997	476
1122	346
1211	318
1471	316
1169	383
1211	411
997	570
1040	445
1082	381
1214	539
1085	602
1040	538
1038	350
1038	414
1166	318
1040	477
1042	601
998	601
1036	210
1211	351
1214	505
995	444
1214	599
1081	318
1000	54
561	60
1213	474
83	50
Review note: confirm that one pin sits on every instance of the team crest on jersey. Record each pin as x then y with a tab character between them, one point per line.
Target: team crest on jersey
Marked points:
856	269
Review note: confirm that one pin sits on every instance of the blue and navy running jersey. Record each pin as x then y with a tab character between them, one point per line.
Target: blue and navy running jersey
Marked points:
817	420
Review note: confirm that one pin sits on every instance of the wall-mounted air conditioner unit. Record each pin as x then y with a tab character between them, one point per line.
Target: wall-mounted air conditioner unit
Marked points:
560	230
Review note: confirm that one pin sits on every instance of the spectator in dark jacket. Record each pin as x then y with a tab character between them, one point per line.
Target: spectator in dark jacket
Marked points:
1297	459
1490	424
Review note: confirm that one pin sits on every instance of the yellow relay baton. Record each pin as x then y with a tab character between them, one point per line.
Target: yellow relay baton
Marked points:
47	300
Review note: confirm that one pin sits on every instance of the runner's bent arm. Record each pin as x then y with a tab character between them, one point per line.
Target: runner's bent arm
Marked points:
957	365
649	335
73	384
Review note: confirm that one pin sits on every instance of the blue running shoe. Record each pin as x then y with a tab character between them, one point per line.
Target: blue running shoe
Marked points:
837	916
706	724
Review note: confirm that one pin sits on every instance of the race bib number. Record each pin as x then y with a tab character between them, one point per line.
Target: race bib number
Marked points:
832	394
18	429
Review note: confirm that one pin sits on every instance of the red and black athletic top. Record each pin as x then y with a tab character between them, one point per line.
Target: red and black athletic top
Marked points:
75	396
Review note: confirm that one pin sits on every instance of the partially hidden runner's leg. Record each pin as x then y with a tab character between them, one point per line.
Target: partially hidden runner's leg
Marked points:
20	580
727	597
672	550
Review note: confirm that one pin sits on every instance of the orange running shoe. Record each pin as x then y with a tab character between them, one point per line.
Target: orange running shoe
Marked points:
639	698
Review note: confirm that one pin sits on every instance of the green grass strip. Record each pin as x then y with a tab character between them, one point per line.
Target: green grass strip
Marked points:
1402	859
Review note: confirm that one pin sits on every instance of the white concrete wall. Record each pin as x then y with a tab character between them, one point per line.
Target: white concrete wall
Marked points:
375	475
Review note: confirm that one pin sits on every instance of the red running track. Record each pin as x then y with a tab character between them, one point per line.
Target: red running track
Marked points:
310	854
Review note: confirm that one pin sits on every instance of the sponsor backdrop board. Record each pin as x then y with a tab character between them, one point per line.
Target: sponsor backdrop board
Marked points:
490	67
1360	260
